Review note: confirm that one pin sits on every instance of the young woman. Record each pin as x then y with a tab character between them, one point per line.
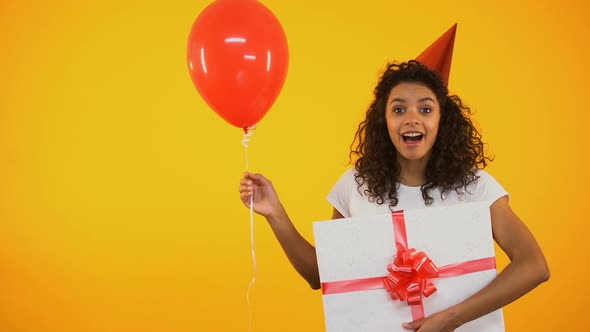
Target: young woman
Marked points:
416	148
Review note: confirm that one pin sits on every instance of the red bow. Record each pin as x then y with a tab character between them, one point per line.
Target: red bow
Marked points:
409	276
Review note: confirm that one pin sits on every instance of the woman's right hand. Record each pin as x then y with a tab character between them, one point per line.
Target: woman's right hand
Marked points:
266	200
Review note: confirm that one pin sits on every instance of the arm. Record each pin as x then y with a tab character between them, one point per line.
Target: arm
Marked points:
299	251
526	270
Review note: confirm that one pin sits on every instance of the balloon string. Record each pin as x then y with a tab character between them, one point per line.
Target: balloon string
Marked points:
247	134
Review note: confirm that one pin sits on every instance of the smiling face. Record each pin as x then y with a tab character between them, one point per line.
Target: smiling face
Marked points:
413	115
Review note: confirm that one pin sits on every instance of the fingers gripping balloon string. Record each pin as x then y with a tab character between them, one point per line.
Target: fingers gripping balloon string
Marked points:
247	134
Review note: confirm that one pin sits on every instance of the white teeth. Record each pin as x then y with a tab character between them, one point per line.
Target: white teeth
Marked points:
411	134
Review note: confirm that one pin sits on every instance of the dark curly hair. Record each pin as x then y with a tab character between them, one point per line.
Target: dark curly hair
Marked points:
457	154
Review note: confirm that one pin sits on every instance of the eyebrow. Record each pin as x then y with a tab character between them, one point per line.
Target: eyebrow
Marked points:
401	100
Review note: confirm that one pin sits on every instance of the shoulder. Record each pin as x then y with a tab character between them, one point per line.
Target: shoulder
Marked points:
486	187
342	192
346	180
483	176
350	174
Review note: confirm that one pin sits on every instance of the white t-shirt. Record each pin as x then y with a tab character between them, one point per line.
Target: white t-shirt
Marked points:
345	196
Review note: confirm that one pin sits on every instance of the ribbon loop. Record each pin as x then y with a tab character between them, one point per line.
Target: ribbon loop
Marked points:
409	276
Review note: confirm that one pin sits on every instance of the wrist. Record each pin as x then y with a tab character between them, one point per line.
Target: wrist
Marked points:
454	317
276	214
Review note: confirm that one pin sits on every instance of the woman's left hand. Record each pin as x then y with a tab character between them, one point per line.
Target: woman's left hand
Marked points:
439	322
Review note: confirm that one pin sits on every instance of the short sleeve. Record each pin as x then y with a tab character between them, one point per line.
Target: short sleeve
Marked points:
488	188
340	195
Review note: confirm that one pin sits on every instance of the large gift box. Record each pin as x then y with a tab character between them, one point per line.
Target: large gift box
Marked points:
377	272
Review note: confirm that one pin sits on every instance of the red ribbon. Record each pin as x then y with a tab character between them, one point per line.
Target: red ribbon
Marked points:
409	273
409	276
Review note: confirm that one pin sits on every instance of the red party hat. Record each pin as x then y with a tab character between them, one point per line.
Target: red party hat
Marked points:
438	56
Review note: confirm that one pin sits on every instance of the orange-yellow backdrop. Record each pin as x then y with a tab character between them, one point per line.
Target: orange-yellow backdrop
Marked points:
119	208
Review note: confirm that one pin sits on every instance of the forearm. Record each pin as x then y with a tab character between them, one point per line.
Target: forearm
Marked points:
517	279
299	251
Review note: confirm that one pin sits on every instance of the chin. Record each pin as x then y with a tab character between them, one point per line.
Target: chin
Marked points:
413	156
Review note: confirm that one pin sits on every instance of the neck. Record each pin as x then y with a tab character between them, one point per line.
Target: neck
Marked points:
412	172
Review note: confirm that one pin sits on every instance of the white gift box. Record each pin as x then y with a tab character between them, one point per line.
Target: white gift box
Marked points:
359	248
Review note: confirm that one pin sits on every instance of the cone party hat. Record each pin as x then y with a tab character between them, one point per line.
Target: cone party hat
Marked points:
438	56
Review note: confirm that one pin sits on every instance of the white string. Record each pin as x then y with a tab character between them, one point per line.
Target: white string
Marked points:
247	134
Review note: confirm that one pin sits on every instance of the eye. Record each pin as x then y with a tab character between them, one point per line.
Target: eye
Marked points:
398	110
426	110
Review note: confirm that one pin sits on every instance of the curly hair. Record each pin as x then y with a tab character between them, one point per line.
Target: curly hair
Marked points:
457	154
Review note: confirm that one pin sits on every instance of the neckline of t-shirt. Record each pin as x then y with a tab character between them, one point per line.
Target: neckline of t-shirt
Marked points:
401	185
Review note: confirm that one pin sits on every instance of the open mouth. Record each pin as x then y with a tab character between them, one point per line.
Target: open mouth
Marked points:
412	137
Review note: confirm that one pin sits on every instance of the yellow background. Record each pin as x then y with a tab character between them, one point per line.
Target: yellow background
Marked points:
119	208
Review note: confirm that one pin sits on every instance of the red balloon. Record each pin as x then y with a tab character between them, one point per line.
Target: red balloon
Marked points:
238	57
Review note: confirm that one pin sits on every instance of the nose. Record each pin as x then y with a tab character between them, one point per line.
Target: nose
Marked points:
412	117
